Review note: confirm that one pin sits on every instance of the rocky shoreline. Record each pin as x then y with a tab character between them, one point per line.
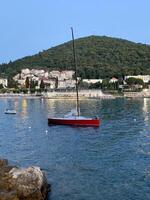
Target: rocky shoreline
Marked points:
22	183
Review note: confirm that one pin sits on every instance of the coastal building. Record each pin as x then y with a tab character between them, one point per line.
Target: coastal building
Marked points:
92	81
113	80
49	83
35	78
62	75
66	84
54	74
4	82
21	82
38	72
17	77
52	80
25	71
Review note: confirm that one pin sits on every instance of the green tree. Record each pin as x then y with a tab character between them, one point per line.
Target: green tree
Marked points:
98	57
33	84
134	81
42	85
12	83
95	85
1	86
27	82
83	85
105	83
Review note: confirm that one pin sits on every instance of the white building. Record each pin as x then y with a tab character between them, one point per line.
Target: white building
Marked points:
67	74
54	74
25	71
38	72
64	78
4	82
66	84
62	75
113	80
50	83
17	77
21	82
92	81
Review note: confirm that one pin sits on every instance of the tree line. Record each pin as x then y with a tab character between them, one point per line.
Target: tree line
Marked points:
97	57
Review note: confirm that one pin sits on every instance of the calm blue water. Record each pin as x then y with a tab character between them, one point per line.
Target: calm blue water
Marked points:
107	163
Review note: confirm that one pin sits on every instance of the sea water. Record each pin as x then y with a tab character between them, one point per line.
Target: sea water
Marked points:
111	162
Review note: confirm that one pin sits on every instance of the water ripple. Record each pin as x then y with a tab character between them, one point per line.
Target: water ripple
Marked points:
110	162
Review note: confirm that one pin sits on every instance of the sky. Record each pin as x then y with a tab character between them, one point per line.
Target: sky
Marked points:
30	26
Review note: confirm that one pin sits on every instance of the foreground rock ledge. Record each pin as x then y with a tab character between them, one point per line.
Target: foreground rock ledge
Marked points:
22	183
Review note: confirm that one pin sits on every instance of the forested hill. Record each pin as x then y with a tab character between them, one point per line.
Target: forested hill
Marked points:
97	57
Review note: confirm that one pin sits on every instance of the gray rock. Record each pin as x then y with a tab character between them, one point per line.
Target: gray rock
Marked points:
22	183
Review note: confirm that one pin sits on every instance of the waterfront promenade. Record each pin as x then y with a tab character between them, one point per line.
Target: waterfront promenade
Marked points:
83	94
18	95
145	93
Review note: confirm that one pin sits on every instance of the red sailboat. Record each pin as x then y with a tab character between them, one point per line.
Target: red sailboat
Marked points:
74	119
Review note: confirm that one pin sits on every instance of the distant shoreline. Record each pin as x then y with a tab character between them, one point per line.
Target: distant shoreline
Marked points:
54	96
19	95
67	95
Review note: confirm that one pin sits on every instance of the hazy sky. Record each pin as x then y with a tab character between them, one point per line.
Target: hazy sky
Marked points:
30	26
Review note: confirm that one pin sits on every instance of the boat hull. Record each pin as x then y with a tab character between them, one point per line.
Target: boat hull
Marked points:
74	122
11	112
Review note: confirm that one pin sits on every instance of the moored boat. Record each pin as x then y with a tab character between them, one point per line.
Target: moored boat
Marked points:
75	119
10	111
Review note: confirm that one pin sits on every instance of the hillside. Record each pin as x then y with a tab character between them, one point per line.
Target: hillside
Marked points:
97	56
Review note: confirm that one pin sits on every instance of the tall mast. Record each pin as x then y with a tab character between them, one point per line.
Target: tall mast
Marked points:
75	65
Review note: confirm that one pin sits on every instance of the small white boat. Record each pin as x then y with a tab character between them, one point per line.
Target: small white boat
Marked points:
10	111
